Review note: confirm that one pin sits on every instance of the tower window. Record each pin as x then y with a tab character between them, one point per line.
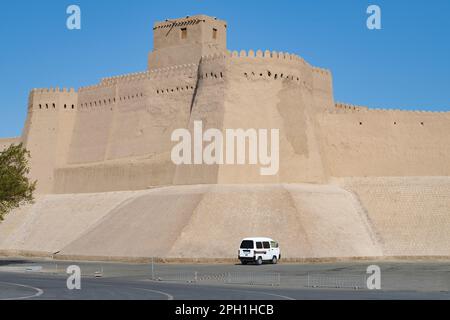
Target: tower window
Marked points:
183	33
214	33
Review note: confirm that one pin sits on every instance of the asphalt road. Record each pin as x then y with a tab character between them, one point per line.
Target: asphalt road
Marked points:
46	280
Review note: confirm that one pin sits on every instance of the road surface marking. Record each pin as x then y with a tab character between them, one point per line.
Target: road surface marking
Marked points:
266	293
169	297
38	293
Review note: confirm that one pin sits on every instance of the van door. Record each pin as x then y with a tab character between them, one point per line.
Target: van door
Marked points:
269	254
260	250
275	249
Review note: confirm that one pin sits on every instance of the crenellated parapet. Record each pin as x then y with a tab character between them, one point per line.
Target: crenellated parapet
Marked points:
52	90
346	107
53	99
213	66
275	56
174	71
110	81
214	58
160	73
168	24
274	65
350	108
321	71
269	56
396	110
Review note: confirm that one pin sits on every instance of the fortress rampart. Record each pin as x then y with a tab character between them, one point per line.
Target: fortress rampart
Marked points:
352	181
48	132
115	135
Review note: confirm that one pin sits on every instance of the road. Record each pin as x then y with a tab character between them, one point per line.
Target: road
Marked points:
46	280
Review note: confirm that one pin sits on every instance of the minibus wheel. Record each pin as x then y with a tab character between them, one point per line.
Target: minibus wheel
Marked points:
274	260
259	261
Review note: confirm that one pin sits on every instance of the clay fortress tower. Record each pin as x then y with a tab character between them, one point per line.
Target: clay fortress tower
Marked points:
352	181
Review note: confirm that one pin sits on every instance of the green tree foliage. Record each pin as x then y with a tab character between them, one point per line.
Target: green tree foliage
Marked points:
15	187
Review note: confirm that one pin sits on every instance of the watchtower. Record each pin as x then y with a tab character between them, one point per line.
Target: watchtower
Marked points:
186	40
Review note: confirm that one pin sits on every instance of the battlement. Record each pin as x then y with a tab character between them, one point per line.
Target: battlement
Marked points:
396	110
191	69
121	78
321	71
158	73
350	107
154	74
52	90
53	99
345	107
283	56
181	22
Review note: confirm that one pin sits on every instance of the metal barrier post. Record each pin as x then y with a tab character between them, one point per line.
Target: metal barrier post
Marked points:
153	269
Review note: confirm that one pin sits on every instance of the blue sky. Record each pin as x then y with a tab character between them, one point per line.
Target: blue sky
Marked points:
405	65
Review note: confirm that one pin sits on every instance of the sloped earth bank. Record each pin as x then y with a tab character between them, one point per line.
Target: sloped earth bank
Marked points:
351	218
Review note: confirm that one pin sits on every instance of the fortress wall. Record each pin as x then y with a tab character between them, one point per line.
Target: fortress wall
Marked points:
207	106
386	143
251	90
69	109
323	97
48	132
92	125
135	129
273	91
129	119
323	90
145	108
143	126
115	176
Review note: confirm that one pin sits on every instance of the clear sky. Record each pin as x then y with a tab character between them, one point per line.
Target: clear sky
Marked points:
406	65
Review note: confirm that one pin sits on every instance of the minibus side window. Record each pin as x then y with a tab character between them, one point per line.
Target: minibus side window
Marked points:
274	244
266	245
247	244
259	245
